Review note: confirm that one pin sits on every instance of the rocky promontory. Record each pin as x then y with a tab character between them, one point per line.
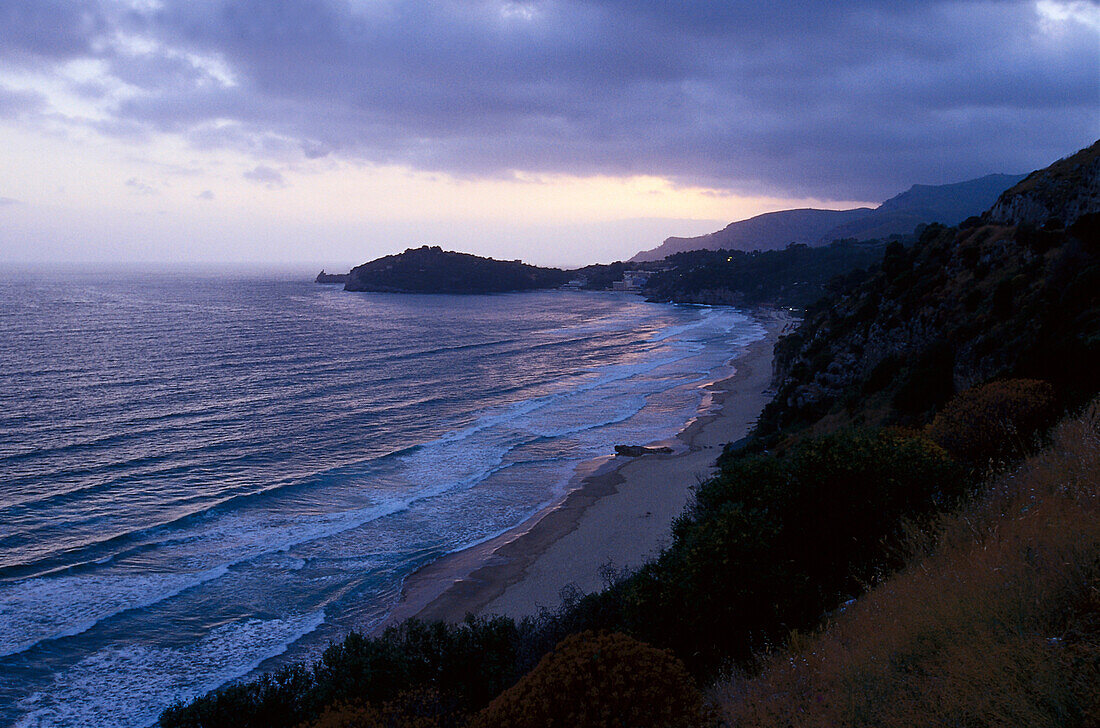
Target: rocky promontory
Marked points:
434	270
331	278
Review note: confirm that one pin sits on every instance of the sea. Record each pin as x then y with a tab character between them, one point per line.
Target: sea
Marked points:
204	474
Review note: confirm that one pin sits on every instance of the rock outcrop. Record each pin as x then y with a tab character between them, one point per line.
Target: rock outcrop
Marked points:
331	278
1056	196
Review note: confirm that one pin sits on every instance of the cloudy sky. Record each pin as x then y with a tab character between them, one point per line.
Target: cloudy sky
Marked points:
562	131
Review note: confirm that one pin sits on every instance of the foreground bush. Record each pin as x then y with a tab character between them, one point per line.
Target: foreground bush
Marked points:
600	680
414	709
997	625
466	664
995	422
772	542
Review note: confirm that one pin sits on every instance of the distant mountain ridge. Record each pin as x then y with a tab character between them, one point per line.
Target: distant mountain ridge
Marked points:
770	231
948	204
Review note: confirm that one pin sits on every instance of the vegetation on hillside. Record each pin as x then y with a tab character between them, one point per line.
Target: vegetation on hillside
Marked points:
433	270
961	307
1056	196
796	276
594	679
900	393
995	621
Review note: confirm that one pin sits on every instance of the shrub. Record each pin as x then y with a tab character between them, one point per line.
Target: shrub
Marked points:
280	698
773	542
600	680
472	661
468	664
414	709
930	380
994	622
993	422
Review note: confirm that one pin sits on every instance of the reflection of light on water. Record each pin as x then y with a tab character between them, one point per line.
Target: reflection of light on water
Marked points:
313	472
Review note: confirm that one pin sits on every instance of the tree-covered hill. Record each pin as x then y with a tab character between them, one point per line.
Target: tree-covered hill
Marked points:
795	277
433	270
959	308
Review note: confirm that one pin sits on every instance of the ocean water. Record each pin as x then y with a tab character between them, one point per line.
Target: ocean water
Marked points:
204	474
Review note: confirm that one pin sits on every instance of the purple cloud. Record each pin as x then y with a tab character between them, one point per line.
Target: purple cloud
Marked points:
841	100
16	103
140	187
49	30
266	176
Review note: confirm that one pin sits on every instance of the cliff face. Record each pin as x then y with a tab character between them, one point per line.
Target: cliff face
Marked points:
1060	194
960	307
433	270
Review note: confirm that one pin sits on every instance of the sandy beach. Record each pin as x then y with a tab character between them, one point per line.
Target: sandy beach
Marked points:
619	513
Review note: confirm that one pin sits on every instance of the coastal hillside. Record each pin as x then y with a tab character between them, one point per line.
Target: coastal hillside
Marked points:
434	270
946	204
1054	197
899	395
959	308
769	231
994	621
794	277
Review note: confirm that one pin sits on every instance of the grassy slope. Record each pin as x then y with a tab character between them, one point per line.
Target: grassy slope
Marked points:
997	624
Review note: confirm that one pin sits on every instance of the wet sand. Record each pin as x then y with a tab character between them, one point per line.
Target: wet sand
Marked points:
619	514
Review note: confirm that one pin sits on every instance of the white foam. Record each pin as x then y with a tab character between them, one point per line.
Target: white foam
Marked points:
592	407
127	686
53	607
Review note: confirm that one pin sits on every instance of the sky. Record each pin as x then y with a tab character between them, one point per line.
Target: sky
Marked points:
563	132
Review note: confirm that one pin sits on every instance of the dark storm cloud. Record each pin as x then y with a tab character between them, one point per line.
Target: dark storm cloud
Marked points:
853	100
33	31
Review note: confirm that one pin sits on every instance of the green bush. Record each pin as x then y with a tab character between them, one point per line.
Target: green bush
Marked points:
467	664
774	542
600	680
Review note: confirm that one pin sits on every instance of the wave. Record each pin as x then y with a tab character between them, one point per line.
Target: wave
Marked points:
231	484
127	686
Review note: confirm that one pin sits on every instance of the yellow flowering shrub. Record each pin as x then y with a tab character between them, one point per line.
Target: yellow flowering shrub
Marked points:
600	680
995	421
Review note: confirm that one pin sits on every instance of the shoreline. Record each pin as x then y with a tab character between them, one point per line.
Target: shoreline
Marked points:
617	513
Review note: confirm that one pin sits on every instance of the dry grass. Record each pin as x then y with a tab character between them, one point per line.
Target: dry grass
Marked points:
997	624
